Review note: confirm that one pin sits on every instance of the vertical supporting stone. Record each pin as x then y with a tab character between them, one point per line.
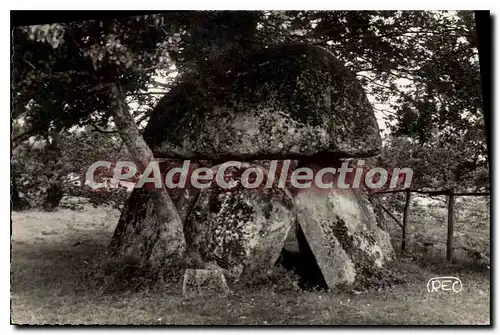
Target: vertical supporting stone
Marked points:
341	229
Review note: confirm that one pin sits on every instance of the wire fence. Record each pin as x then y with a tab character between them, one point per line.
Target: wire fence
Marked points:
451	210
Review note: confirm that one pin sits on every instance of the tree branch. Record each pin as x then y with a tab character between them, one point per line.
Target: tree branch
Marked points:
24	136
103	131
391	215
148	93
162	84
142	118
375	83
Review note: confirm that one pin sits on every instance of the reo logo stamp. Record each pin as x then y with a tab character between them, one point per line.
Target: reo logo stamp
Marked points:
451	284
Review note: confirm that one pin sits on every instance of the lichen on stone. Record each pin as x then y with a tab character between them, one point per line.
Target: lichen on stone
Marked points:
338	227
281	102
239	230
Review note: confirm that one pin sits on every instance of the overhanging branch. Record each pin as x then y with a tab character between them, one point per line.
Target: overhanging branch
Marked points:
104	131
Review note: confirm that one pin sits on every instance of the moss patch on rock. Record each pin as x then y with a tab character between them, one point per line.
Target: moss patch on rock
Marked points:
277	103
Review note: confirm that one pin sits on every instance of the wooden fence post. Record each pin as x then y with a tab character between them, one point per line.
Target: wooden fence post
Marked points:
451	216
405	220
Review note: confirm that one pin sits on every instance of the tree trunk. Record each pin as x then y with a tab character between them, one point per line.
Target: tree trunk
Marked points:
54	192
167	242
18	204
404	233
53	196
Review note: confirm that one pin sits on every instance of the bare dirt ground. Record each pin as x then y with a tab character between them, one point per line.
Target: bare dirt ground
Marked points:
57	277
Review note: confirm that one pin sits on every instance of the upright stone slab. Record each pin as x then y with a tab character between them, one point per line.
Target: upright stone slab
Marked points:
240	230
136	236
341	230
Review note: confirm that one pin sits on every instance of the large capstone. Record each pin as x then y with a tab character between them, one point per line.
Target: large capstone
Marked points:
282	102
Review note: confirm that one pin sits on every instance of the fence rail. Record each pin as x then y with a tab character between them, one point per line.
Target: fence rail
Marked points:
450	193
439	192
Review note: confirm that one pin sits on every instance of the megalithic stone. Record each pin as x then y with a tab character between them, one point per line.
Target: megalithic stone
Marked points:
282	102
341	229
286	102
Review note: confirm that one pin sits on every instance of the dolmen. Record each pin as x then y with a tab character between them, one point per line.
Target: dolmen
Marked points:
292	104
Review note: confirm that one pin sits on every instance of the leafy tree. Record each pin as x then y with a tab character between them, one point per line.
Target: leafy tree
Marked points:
45	174
439	164
81	72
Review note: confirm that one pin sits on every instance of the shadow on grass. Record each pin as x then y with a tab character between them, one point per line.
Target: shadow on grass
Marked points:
61	281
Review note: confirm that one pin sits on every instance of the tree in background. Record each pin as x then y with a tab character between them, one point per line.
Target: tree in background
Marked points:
45	175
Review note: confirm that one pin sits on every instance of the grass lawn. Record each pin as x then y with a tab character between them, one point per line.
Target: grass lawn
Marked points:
57	278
